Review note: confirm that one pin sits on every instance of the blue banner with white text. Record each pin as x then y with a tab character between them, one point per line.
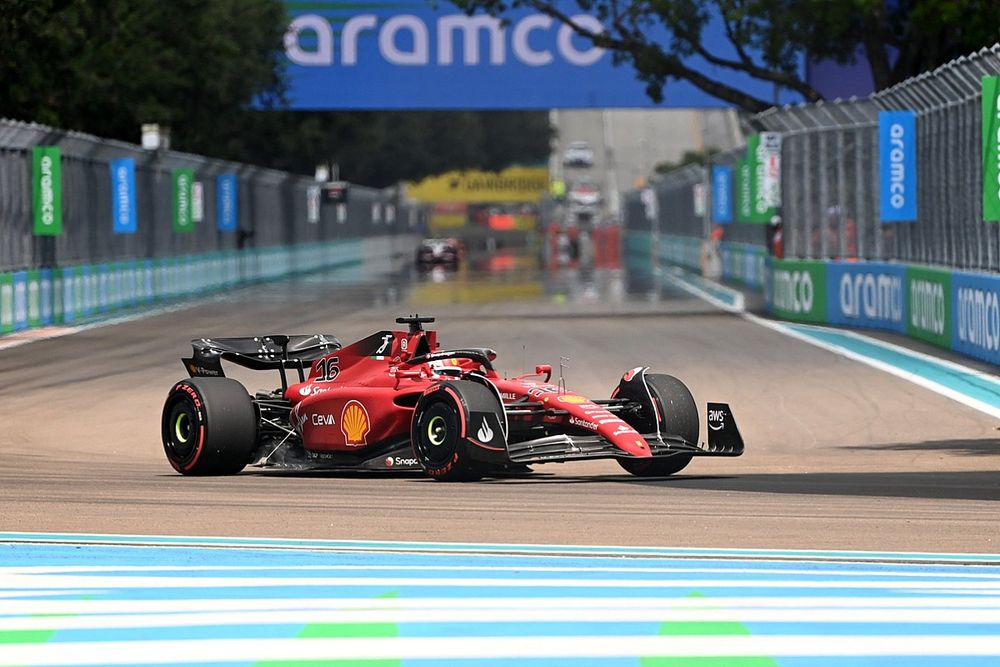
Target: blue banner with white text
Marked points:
227	202
414	54
975	322
897	152
123	195
869	295
722	194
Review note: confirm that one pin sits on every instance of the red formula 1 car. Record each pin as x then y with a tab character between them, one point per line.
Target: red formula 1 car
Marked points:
395	401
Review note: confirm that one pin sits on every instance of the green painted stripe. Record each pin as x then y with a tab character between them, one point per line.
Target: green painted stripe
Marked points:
26	636
344	631
706	628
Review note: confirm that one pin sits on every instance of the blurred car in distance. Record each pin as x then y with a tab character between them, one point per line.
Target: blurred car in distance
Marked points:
578	154
584	197
439	252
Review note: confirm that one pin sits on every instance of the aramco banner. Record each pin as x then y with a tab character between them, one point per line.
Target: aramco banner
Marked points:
991	148
722	194
46	196
743	187
414	54
897	165
764	160
182	180
226	202
514	184
123	196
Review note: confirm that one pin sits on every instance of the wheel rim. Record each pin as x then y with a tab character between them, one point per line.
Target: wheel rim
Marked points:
437	430
437	434
179	432
182	428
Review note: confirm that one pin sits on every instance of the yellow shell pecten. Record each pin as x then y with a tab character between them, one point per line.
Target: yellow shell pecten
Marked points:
354	423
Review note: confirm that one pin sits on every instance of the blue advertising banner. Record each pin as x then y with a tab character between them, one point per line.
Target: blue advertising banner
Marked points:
123	195
722	194
897	165
227	202
975	298
46	297
414	54
868	295
20	300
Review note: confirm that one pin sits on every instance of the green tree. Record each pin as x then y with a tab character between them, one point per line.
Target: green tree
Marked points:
766	38
382	148
212	70
107	67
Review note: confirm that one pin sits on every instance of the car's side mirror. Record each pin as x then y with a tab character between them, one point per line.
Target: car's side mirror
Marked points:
546	369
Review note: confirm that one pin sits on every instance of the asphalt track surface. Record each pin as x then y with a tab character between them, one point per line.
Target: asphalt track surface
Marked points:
839	455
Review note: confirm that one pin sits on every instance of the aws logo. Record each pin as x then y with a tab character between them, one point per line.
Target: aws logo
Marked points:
355	424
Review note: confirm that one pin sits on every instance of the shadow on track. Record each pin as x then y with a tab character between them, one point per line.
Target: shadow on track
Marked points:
988	447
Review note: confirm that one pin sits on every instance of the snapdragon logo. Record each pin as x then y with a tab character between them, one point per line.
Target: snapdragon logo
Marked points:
793	291
897	171
979	318
874	296
927	306
406	39
48	192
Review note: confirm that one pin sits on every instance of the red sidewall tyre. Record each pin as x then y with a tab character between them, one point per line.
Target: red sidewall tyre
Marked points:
209	427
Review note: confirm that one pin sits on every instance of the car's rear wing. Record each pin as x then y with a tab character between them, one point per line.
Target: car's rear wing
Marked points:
259	353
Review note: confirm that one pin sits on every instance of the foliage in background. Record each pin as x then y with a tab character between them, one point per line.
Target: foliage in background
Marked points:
767	38
212	72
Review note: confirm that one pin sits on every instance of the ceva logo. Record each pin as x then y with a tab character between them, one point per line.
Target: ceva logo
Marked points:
408	40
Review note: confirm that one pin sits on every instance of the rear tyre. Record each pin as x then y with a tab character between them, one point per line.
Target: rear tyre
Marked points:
678	416
209	427
439	421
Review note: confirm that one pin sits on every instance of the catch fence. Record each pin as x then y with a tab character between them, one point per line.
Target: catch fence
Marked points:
272	208
830	204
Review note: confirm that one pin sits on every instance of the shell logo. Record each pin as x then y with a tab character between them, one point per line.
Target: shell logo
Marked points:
571	398
354	423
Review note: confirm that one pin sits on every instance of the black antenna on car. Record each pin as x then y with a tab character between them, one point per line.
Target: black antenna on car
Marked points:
415	322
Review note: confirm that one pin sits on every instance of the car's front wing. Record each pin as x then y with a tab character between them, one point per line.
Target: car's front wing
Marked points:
724	439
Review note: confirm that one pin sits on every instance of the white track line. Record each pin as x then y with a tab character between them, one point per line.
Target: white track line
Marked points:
664	614
206	605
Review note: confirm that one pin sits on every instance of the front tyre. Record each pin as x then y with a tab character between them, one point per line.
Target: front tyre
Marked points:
674	413
453	427
209	427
